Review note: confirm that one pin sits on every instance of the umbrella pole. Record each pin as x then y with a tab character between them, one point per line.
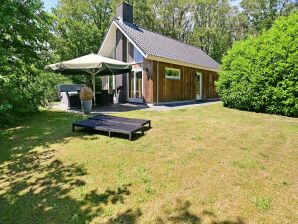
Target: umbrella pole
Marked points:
94	88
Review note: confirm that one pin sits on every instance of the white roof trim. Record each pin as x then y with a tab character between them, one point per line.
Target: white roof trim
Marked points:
182	63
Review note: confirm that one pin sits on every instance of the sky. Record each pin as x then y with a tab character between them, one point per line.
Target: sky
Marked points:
48	4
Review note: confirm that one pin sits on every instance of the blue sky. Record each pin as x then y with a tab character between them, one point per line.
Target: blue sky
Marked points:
48	4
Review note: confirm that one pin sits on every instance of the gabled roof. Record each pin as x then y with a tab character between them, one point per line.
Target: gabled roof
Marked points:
157	47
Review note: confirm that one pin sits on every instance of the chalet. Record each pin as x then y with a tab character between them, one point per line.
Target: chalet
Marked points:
164	70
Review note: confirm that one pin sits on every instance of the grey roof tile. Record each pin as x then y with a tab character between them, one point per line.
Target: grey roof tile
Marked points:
157	45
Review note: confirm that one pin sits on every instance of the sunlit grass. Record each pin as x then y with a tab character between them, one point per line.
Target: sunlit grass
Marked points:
198	165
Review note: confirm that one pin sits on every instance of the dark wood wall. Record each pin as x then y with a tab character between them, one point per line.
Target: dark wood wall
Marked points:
149	90
183	89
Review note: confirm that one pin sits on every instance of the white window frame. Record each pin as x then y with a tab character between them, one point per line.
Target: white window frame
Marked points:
135	100
134	53
173	77
201	86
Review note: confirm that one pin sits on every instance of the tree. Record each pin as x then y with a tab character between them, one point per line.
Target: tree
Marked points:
173	18
262	13
212	26
79	28
143	12
261	74
24	32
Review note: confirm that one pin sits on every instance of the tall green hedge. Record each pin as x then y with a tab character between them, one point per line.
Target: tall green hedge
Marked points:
261	74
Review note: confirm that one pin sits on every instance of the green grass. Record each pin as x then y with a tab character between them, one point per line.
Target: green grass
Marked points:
198	165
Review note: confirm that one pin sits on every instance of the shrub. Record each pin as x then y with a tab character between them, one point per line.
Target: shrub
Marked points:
24	94
49	83
260	74
86	94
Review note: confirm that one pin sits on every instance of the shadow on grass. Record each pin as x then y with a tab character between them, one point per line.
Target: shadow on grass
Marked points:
38	189
181	213
135	136
130	216
40	129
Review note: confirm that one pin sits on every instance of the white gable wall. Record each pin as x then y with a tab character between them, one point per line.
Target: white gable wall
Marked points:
109	42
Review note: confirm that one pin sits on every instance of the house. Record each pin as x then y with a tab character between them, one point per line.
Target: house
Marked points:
164	70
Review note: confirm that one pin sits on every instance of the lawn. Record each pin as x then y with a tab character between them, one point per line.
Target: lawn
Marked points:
206	164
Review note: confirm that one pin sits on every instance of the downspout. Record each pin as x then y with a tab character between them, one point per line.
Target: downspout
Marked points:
157	84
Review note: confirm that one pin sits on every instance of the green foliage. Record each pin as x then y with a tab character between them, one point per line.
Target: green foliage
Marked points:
172	19
49	82
262	13
20	95
213	27
79	28
143	13
24	30
261	74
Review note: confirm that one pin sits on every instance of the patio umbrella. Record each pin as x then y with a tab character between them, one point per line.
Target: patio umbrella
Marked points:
92	64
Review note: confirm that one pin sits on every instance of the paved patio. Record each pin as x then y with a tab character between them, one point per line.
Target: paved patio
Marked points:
124	107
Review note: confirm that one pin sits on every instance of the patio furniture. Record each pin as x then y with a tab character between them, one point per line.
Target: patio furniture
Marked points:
73	99
91	64
69	94
110	127
122	120
104	98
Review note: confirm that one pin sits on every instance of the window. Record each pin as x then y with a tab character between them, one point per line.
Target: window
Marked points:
138	56
133	55
199	86
130	52
172	73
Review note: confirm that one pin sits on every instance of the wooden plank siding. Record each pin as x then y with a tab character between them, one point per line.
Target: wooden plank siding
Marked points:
170	90
148	83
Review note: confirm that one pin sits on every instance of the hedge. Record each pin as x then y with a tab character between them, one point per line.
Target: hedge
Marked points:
260	74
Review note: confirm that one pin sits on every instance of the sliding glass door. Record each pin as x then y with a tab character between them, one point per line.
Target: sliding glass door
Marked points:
135	87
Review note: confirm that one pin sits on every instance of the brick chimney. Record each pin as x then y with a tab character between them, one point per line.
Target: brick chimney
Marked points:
124	12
